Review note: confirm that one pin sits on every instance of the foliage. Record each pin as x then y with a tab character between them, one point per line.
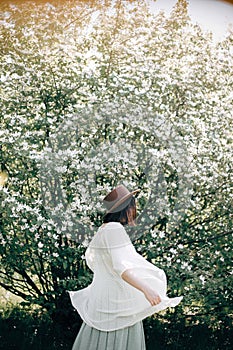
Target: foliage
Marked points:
93	96
23	328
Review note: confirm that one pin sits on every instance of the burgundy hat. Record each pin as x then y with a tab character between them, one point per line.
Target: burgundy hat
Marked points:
118	199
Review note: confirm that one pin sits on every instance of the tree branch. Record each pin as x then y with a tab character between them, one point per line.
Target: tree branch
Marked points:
29	280
14	291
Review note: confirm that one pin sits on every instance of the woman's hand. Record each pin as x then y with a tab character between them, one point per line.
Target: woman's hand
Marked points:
152	296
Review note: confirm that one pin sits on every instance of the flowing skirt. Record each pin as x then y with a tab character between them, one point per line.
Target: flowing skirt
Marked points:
129	338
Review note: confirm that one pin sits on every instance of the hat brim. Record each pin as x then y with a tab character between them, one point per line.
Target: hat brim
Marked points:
121	201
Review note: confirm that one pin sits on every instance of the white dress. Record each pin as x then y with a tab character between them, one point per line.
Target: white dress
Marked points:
109	303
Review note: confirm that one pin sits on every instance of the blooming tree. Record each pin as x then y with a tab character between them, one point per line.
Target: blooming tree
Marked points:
93	96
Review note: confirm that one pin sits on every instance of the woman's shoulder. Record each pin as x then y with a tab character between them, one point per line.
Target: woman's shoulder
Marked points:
113	234
111	225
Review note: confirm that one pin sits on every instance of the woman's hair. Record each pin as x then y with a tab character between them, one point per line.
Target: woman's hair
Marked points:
125	216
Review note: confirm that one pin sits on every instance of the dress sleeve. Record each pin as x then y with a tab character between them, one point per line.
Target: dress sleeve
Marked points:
89	256
120	249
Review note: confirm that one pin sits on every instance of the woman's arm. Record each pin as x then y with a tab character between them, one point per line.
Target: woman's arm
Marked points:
151	295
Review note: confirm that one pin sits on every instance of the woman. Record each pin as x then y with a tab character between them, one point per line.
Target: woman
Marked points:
125	288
